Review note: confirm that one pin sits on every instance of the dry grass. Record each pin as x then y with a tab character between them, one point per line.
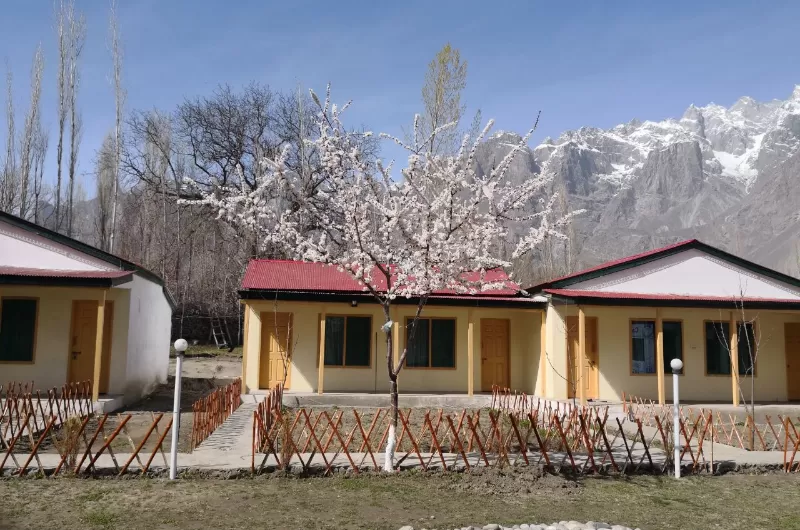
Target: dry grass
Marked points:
376	502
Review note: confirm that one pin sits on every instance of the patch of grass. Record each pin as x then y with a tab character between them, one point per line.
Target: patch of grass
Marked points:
377	501
100	518
209	350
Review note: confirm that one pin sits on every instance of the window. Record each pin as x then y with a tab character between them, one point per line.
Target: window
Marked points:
17	329
431	343
643	345
347	341
718	360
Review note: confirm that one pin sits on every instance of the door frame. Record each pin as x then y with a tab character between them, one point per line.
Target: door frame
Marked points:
508	350
596	342
786	357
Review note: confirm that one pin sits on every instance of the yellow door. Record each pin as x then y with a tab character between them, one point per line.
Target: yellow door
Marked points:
84	337
276	349
494	353
84	334
792	338
592	365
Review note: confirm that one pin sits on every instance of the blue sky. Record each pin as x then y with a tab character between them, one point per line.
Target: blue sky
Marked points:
580	63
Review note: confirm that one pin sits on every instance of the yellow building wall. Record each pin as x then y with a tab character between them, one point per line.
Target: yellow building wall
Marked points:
52	349
523	346
695	384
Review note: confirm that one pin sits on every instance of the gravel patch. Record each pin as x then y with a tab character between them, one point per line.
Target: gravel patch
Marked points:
561	525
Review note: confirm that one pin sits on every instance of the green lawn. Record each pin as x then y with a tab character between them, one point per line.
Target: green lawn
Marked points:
378	502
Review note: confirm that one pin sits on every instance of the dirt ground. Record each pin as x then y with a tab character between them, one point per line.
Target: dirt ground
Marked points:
383	502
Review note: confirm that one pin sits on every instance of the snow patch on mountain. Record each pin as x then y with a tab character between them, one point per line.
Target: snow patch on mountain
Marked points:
731	141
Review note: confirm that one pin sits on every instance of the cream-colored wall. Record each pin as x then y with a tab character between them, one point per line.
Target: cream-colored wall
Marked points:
51	355
556	355
615	354
524	348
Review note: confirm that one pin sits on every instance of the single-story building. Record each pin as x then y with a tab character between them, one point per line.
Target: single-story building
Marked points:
591	335
70	312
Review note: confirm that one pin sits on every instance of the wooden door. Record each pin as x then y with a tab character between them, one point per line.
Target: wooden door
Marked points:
84	335
591	381
494	353
276	346
792	338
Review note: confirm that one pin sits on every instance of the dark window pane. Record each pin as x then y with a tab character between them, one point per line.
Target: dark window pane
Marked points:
643	347
673	343
747	348
334	341
417	342
443	343
717	359
17	330
359	330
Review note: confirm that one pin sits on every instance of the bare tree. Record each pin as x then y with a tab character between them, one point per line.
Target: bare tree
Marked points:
743	355
104	180
77	35
445	79
119	101
39	154
32	126
8	184
62	32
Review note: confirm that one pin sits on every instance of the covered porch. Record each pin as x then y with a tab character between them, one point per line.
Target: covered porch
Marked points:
63	327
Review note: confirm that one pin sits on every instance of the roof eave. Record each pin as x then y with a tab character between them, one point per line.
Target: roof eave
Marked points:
664	302
348	297
64	281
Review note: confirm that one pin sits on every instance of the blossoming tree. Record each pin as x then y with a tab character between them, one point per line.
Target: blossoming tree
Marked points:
409	234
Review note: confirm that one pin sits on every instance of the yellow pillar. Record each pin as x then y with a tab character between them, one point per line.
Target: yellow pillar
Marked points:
244	343
581	375
470	355
660	356
321	368
98	347
543	355
734	349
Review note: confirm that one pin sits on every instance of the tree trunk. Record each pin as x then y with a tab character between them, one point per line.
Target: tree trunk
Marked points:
391	439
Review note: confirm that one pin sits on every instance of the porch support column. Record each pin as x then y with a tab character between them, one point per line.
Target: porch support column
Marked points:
581	375
660	356
734	350
98	346
321	368
543	354
470	354
246	309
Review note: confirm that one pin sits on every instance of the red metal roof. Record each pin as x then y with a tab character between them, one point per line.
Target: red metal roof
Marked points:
59	273
614	263
580	293
287	275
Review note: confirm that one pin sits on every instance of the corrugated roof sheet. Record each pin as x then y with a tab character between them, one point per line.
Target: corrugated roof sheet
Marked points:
285	275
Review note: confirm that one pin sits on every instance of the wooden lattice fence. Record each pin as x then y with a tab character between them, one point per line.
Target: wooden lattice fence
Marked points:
211	411
22	408
581	441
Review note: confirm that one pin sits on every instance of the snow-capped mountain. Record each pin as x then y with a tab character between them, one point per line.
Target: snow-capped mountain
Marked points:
730	176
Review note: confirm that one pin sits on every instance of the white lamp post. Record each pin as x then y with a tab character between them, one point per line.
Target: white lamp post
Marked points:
180	348
677	366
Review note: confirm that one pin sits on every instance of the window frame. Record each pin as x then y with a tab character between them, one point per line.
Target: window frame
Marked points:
653	320
344	343
738	324
430	344
35	326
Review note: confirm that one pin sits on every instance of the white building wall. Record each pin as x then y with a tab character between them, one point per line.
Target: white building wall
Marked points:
149	328
692	272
